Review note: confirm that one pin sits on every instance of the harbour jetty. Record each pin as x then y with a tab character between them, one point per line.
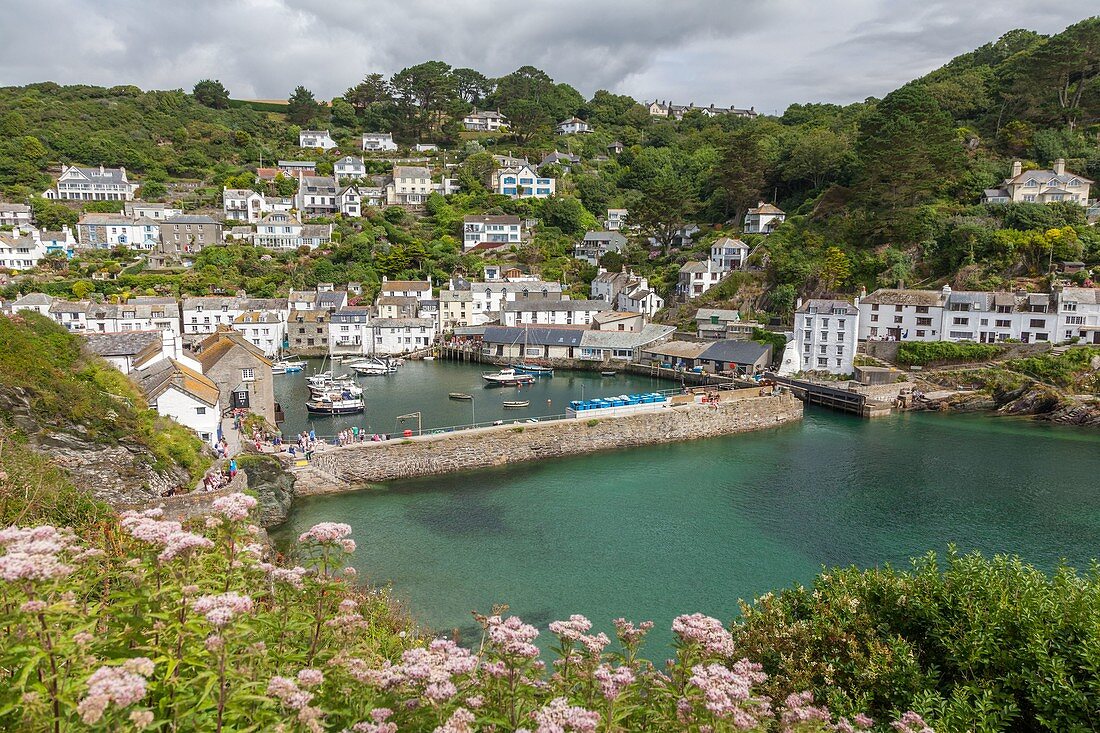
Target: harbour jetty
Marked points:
683	418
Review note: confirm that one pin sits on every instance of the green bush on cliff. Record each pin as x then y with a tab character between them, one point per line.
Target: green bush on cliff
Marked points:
71	390
920	353
1069	370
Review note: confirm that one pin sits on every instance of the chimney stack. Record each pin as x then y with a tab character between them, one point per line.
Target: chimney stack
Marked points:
1060	166
1017	168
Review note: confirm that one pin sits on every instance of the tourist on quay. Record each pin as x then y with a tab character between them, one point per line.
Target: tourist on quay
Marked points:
232	468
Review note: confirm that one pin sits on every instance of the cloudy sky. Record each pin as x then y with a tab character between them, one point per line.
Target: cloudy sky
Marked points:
763	53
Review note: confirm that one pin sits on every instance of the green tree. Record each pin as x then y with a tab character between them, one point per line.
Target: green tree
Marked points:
421	92
471	86
526	119
835	269
343	114
663	209
302	108
373	90
211	93
739	175
815	156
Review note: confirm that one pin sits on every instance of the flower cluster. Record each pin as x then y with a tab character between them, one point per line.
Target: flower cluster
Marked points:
707	632
629	634
293	697
221	609
147	527
35	553
571	630
348	617
461	721
427	671
291	576
234	507
799	708
559	716
911	723
512	637
613	680
379	722
326	533
728	692
123	686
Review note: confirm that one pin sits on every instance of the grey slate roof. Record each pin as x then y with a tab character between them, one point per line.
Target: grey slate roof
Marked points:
534	335
626	339
738	352
125	343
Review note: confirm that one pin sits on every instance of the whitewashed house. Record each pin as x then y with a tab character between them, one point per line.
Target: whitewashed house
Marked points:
1079	315
243	205
349	201
21	250
573	126
697	278
349	167
484	121
550	312
375	142
763	219
524	182
15	215
901	315
143	313
825	333
72	315
409	186
419	289
92	184
316	139
39	303
203	315
264	329
626	292
400	335
498	231
176	390
294	168
281	231
729	254
317	196
616	220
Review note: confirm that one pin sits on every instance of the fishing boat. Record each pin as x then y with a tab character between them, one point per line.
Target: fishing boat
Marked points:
460	396
608	373
335	403
368	369
343	385
507	377
516	404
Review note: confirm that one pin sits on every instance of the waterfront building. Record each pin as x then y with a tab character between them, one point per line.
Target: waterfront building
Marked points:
264	329
1078	314
683	355
618	321
825	334
626	291
533	342
712	323
308	331
744	358
349	330
550	312
187	396
400	335
606	345
901	315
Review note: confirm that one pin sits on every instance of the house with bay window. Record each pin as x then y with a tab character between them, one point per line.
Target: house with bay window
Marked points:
523	182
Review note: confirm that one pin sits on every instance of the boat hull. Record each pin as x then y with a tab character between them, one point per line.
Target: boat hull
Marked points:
333	409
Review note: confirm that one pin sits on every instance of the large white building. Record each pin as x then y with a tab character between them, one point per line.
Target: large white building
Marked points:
697	278
21	250
1079	315
349	167
264	329
92	184
484	121
409	186
729	254
523	182
825	335
243	204
183	393
103	231
1041	186
399	335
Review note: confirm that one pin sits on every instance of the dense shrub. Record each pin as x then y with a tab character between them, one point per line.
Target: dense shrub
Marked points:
919	353
1073	369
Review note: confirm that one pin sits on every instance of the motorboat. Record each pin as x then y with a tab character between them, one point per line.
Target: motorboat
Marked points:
507	377
516	404
367	369
335	403
460	396
343	385
287	366
608	373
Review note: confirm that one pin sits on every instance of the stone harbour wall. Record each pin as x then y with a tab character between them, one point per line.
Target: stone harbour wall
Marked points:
364	463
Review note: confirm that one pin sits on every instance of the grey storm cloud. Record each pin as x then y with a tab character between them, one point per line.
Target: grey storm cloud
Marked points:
764	53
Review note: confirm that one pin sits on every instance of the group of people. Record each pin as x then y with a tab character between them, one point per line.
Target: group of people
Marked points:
218	478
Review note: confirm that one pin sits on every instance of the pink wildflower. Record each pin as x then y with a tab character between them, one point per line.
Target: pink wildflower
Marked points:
141	719
33	607
475	701
325	532
83	638
800	708
911	723
595	645
612	681
572	629
220	609
378	722
287	690
728	692
181	544
512	636
461	721
628	633
33	553
121	685
234	507
559	716
214	643
310	677
858	723
291	576
708	632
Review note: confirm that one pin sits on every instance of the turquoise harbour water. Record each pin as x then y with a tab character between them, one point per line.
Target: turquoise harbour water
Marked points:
649	533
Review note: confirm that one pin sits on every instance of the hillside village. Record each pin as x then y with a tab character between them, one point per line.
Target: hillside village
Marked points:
478	229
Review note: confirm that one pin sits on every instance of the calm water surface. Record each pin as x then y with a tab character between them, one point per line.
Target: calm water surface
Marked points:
650	533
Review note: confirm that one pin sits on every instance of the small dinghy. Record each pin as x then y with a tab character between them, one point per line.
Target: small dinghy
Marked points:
516	404
608	373
460	396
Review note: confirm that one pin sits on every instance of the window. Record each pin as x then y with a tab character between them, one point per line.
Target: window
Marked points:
822	361
924	321
823	349
1069	306
1075	320
920	334
960	321
922	309
200	410
824	335
248	375
1038	323
840	351
1002	323
874	317
897	319
874	306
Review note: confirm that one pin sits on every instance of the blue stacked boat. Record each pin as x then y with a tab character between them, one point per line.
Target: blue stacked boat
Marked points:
603	403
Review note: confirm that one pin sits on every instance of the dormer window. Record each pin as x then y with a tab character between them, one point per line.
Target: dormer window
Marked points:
1074	182
1031	182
